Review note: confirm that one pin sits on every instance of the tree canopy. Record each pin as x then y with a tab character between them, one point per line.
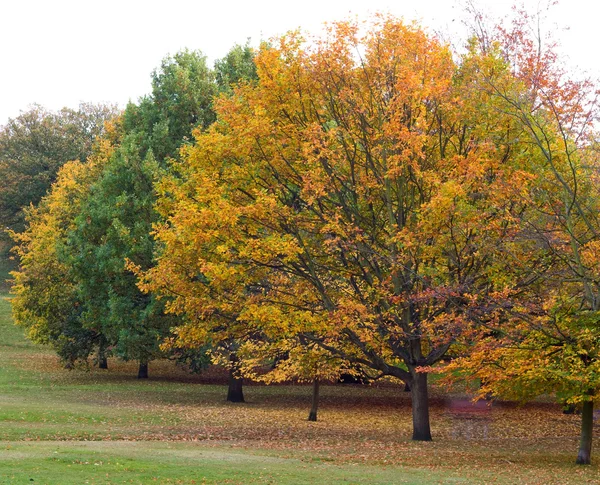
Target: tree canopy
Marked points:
33	147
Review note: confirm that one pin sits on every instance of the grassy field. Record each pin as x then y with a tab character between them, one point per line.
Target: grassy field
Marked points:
106	427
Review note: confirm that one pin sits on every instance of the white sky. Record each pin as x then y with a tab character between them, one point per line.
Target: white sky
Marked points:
60	52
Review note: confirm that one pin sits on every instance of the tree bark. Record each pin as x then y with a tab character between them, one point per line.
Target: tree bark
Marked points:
587	427
420	407
235	392
143	370
312	416
102	360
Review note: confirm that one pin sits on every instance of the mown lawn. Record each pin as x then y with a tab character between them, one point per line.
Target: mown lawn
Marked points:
105	427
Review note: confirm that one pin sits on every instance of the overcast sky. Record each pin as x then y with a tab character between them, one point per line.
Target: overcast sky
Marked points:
60	52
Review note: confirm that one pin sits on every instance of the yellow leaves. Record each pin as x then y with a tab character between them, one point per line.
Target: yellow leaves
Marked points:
590	255
188	336
406	56
269	318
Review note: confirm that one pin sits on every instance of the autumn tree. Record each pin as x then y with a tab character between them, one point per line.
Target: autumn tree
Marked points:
354	196
198	280
547	339
295	359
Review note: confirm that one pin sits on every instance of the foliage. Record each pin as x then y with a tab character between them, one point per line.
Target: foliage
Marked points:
34	145
547	339
7	264
181	99
237	66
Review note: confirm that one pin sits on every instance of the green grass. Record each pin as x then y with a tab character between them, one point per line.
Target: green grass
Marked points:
93	426
143	462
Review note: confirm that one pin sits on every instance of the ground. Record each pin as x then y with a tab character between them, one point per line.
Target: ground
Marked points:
107	427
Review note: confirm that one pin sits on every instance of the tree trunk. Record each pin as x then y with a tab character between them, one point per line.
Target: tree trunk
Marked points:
312	416
587	427
102	360
420	407
143	370
235	392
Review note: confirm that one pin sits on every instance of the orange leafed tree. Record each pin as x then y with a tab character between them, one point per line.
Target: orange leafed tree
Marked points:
547	340
353	198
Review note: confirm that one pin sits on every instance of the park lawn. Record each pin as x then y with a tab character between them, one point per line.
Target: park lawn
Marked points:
162	462
93	426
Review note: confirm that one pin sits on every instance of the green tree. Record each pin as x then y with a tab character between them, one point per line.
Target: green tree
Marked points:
238	65
115	223
182	92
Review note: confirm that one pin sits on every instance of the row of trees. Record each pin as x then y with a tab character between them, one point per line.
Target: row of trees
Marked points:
366	201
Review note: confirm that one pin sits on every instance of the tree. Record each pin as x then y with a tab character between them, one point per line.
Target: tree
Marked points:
46	298
354	190
182	92
33	147
115	221
113	225
299	361
547	340
101	219
237	66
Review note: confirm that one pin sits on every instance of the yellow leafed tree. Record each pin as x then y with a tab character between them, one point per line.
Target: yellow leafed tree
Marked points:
353	199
